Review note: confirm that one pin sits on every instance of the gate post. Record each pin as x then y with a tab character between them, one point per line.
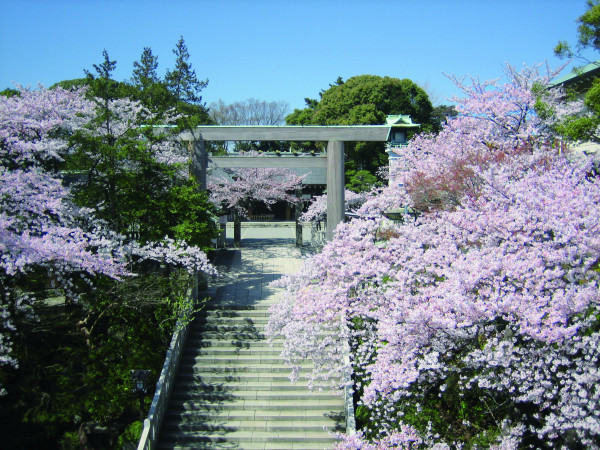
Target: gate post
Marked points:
237	230
335	186
297	214
199	163
198	169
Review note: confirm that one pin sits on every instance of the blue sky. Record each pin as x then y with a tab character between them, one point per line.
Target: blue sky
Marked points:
282	49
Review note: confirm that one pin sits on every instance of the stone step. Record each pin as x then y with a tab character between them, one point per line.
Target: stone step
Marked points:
239	385
197	393
251	314
327	405
243	359
241	325
246	317
211	377
203	342
260	384
251	336
243	340
229	307
232	388
295	437
231	350
239	376
304	445
228	328
236	313
199	367
248	414
218	426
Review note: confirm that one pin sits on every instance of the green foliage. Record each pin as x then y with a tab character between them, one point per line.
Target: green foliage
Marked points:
144	72
140	196
360	180
577	128
450	411
159	96
366	100
102	86
582	128
362	417
588	32
9	92
191	215
132	434
75	357
71	84
440	114
589	28
75	362
182	80
303	116
70	441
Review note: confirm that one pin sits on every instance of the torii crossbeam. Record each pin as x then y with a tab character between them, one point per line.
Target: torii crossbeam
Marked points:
335	136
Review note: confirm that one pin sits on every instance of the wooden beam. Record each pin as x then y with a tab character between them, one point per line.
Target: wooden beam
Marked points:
350	133
288	162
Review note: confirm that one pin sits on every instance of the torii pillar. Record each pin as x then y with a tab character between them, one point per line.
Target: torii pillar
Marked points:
336	203
199	163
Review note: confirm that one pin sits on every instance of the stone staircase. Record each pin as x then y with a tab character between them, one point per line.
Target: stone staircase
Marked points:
232	390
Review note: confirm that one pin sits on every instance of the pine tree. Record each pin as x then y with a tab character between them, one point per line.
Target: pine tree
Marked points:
182	81
102	85
144	72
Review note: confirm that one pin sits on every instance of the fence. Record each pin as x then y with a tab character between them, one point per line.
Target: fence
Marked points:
261	217
318	233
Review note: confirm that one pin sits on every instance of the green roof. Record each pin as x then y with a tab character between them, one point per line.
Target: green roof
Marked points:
591	69
401	120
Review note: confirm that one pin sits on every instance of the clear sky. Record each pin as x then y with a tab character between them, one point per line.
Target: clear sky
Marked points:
283	49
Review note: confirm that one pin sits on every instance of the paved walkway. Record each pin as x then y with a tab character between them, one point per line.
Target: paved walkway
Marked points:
232	389
267	253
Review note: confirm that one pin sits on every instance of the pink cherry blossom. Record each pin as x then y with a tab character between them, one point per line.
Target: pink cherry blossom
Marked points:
497	276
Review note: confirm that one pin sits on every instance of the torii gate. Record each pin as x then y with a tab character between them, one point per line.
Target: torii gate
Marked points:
335	136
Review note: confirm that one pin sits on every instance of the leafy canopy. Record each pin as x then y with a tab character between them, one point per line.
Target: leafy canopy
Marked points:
588	33
366	100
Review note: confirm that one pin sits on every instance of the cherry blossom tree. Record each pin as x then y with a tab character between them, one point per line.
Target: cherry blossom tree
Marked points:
44	230
262	185
39	226
97	211
477	323
136	182
244	187
317	210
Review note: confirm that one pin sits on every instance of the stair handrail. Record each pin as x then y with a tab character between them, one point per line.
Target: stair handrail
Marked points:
348	382
164	385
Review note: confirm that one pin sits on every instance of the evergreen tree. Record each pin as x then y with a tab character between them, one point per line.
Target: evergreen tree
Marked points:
150	90
365	100
133	176
144	72
102	84
182	81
